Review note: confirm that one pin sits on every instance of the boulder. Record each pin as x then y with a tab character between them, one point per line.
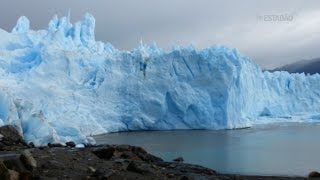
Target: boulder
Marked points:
29	162
105	152
14	164
144	155
91	169
31	145
71	144
178	159
11	136
139	167
12	175
51	145
103	173
7	174
314	174
53	164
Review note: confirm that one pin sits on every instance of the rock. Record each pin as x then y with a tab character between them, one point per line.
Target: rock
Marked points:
104	152
178	159
7	174
183	170
1	136
91	169
139	167
121	161
28	160
12	175
187	168
51	145
31	145
123	147
71	144
11	136
126	155
14	164
170	175
103	173
2	146
137	149
43	147
3	168
26	175
197	169
53	164
145	156
184	178
314	174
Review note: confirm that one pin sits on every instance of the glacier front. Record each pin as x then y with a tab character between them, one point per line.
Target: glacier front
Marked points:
59	85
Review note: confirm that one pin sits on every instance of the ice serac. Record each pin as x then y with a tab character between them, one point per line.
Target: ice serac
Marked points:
59	84
22	26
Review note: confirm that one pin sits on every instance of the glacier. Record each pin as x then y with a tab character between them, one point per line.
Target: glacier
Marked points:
60	84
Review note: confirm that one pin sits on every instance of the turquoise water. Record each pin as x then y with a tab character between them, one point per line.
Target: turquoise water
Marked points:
279	149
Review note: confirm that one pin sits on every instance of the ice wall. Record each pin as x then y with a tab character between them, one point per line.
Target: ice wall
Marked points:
59	84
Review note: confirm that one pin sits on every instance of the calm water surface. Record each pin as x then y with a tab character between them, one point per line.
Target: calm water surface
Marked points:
279	149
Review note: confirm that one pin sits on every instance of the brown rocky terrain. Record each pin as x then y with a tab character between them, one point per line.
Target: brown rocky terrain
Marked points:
21	161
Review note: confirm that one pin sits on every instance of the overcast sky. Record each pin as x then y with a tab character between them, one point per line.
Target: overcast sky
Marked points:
253	27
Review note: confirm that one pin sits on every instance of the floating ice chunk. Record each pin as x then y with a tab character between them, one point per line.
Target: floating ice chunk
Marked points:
80	146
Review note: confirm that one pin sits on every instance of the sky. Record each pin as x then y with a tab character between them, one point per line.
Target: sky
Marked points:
270	32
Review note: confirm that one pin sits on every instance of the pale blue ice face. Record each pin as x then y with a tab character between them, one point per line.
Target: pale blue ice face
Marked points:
59	84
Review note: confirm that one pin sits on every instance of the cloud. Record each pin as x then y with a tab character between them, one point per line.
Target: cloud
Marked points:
201	23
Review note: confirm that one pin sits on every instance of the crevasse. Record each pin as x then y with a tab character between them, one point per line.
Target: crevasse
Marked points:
59	84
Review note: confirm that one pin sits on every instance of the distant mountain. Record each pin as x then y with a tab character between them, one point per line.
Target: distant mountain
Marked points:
307	66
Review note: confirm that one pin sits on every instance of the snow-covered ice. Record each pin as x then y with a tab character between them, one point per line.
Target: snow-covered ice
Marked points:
59	84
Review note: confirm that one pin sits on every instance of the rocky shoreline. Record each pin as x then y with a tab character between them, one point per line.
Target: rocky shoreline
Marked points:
21	161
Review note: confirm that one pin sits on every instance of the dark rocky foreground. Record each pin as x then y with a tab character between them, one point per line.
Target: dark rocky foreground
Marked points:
21	161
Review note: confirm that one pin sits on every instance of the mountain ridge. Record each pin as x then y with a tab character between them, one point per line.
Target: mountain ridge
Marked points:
311	66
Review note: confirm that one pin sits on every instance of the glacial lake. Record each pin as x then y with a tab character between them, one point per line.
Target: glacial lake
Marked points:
278	149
